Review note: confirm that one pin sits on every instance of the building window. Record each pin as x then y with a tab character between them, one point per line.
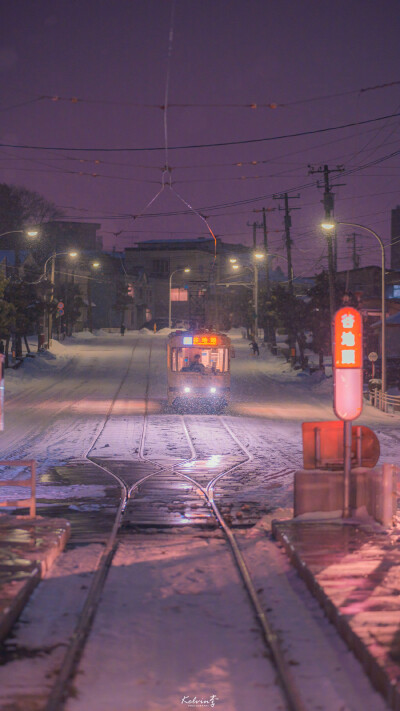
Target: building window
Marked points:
160	266
179	295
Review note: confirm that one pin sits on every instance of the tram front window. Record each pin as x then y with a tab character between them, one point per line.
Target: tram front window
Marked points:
208	362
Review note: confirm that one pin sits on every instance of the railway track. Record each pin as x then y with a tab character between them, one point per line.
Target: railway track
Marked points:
181	493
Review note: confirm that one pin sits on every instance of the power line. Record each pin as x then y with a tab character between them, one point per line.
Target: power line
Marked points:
203	145
253	105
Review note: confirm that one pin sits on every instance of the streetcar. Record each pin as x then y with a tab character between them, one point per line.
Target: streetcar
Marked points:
198	370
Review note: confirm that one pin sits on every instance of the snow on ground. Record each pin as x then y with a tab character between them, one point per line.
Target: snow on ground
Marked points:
56	402
174	622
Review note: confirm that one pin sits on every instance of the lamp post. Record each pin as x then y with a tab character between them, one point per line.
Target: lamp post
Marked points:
186	270
254	268
52	280
29	233
257	255
329	225
94	265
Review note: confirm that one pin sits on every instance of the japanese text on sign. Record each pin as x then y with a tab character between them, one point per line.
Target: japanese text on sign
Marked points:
348	338
205	340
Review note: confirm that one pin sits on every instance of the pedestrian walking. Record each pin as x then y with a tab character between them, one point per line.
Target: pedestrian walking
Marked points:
254	346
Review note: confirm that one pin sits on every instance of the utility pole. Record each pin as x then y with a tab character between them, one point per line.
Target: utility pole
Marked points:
355	257
50	315
328	202
89	300
264	210
255	225
289	242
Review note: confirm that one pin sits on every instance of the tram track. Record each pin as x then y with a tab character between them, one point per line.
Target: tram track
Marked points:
206	493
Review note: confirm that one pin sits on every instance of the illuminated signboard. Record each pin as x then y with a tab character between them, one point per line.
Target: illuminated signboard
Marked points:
348	338
205	340
188	340
348	362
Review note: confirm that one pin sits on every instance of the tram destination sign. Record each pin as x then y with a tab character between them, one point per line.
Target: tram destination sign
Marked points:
200	340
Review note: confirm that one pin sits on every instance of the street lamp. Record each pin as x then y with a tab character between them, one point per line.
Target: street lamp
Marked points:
94	265
328	226
186	270
52	257
28	232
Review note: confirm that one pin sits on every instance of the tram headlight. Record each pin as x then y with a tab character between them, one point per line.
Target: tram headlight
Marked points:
186	390
213	390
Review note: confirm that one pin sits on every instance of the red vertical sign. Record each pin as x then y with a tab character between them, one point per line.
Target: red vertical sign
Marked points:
347	363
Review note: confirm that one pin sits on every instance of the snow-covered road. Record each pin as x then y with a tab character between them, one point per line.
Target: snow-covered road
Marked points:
175	622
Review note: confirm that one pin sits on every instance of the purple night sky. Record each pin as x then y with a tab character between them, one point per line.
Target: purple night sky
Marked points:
310	58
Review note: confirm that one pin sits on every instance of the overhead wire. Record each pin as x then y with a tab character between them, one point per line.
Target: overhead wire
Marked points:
253	105
217	144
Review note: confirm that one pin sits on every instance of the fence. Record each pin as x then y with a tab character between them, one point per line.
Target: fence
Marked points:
29	501
384	402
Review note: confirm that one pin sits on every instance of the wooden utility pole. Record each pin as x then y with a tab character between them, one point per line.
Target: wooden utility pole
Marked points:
255	226
328	202
354	256
288	243
288	239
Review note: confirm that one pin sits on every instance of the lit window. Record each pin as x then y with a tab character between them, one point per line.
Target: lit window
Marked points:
179	295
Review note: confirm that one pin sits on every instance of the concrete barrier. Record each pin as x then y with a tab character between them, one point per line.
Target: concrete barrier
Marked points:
322	492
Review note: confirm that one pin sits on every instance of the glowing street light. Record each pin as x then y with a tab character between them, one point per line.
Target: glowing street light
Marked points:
29	232
186	270
328	225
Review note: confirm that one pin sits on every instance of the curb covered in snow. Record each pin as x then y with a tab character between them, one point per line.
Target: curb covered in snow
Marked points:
28	548
354	572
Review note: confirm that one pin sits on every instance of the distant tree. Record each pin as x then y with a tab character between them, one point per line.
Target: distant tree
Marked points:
23	296
71	297
7	316
292	313
20	207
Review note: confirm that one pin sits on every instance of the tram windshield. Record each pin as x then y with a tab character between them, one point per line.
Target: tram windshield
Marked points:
210	361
